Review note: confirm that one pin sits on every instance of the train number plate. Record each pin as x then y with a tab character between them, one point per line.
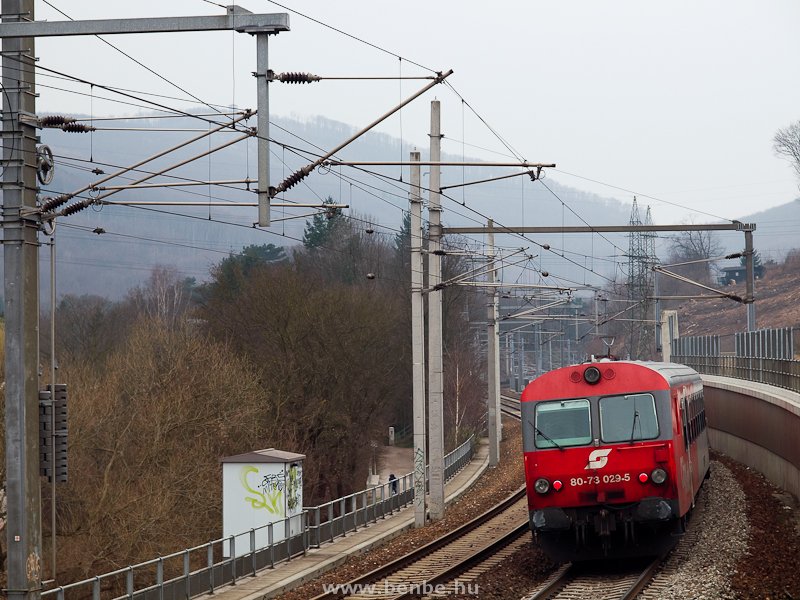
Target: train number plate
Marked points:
598	479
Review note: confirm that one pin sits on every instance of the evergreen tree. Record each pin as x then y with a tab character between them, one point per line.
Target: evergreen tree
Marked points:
318	230
236	268
758	265
402	241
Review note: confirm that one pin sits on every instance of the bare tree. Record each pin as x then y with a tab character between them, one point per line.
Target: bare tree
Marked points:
691	246
786	144
325	363
88	329
146	435
164	297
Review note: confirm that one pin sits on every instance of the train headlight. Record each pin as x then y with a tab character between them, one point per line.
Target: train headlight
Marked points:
542	486
658	476
591	375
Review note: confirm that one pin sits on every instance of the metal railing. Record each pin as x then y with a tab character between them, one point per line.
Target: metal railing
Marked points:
345	515
766	343
696	345
192	571
202	569
772	371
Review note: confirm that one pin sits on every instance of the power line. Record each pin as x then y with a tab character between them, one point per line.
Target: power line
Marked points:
585	222
93	230
168	109
141	64
639	194
350	35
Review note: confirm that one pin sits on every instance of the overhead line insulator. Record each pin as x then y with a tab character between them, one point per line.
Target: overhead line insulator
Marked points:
292	77
73	127
55	121
53	203
71	210
292	180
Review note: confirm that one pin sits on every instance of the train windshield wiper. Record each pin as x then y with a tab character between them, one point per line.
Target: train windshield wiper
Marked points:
549	439
633	425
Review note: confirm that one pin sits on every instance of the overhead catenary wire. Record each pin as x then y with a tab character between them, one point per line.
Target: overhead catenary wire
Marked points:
118	91
505	143
138	62
470	107
641	195
186	115
56	202
398	194
342	32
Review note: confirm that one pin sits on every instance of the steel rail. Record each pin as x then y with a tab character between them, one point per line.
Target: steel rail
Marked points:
555	585
644	579
567	573
415	555
472	560
428	549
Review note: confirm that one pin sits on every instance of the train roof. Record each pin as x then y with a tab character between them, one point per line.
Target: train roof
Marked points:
639	375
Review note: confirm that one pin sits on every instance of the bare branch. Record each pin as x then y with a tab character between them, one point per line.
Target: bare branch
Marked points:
786	144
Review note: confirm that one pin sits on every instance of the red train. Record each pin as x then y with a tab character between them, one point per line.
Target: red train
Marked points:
615	453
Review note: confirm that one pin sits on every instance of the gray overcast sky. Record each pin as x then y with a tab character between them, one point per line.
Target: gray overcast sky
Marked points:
677	100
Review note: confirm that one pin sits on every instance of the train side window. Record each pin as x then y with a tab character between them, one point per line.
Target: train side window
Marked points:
702	412
563	423
628	418
684	419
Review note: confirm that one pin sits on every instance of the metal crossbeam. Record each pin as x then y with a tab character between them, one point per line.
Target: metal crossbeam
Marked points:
237	19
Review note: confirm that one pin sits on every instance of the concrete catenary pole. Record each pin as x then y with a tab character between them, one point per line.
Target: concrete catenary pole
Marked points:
492	396
435	380
656	313
262	96
750	292
21	260
21	223
537	338
520	352
417	343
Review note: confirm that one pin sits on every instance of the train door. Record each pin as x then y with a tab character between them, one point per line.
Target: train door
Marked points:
686	474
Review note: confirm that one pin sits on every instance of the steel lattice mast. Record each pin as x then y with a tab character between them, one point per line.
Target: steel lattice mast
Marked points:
641	256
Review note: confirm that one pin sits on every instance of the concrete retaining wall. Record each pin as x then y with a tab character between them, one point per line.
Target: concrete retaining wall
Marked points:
757	425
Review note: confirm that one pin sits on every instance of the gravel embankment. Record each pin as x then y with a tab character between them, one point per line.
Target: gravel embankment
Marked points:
769	568
701	564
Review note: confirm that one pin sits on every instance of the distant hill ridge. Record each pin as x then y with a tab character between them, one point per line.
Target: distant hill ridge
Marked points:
109	264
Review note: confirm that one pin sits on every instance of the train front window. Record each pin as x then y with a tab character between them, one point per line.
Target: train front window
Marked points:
563	423
628	418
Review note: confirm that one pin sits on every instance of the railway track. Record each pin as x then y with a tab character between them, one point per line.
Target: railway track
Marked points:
574	582
430	568
510	406
448	564
651	581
